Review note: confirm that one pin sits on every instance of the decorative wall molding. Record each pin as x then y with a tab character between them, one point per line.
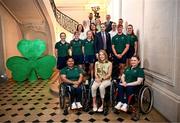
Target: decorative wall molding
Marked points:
168	79
35	27
10	12
164	91
160	77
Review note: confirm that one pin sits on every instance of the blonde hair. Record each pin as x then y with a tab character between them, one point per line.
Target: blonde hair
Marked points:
106	56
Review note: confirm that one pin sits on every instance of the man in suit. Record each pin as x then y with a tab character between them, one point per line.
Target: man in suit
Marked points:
103	41
90	19
108	23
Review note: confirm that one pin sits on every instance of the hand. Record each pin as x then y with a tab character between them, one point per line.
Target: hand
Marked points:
97	80
123	84
119	56
75	86
97	55
76	83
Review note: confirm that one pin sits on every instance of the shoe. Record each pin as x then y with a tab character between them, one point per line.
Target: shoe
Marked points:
73	106
124	107
95	108
118	106
100	109
79	105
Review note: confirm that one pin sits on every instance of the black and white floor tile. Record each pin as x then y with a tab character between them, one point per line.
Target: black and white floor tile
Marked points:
33	102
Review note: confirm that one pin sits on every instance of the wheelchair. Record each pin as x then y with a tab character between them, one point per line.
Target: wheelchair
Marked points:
139	102
108	99
65	97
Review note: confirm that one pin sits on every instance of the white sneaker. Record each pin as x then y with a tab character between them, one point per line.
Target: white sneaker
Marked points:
124	107
95	108
73	106
79	105
100	109
118	106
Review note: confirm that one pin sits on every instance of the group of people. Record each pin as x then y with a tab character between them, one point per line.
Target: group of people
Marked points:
100	46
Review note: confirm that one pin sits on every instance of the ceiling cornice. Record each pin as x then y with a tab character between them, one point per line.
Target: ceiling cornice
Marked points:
10	12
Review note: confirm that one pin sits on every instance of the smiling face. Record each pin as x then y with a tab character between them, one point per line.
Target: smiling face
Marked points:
90	16
76	35
108	17
120	21
80	27
129	29
98	22
70	62
102	56
93	27
134	61
120	29
89	35
103	27
113	26
63	36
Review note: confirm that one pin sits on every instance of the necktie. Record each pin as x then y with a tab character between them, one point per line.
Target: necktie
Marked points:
104	40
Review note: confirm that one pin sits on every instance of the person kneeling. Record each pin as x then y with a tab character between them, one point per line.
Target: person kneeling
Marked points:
103	70
131	78
72	77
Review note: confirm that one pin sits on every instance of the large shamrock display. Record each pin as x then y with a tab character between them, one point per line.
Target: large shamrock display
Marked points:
33	65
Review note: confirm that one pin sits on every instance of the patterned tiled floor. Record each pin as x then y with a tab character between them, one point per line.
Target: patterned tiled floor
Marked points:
33	102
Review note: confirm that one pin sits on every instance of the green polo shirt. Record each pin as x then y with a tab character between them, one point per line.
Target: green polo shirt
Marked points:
119	42
131	74
132	39
76	47
71	73
62	48
88	47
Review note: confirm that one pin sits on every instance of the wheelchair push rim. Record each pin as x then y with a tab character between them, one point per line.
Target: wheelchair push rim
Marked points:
146	100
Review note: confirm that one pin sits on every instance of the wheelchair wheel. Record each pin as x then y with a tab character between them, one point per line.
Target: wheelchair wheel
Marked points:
84	96
145	99
61	97
112	92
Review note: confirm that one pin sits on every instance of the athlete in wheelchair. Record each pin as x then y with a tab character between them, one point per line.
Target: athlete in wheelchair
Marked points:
132	85
71	86
103	71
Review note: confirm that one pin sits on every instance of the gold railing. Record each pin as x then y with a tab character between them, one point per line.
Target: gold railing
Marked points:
65	21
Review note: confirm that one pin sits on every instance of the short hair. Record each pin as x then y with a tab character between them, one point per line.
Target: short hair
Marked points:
103	24
114	23
120	25
69	57
136	56
120	19
62	33
76	32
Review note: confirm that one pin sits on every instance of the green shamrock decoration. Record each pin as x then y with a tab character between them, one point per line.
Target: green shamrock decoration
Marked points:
33	65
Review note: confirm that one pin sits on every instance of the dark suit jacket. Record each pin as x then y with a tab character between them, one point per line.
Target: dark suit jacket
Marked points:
108	26
100	45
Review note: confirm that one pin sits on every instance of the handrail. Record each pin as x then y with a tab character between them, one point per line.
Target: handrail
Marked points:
65	21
